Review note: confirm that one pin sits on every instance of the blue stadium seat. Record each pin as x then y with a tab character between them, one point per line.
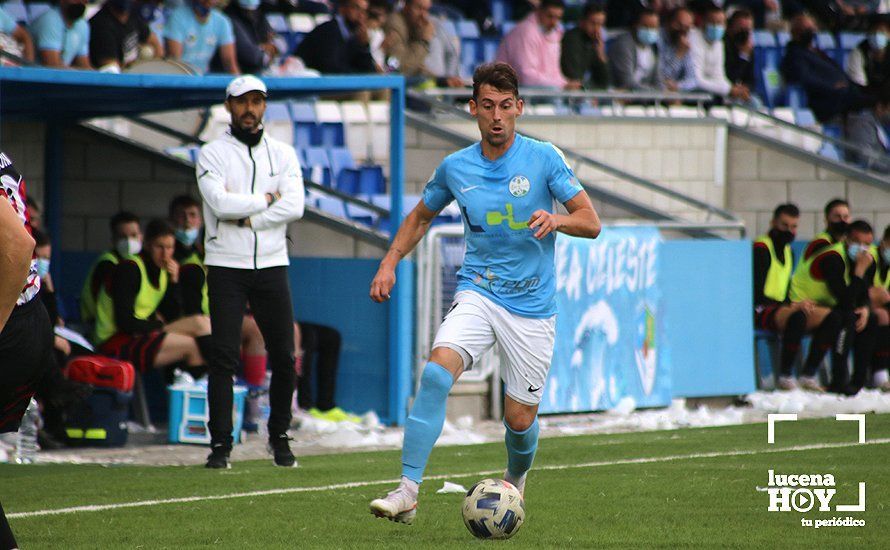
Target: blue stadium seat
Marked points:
319	165
330	134
849	40
771	86
489	49
361	214
278	23
303	112
797	97
277	110
764	39
341	158
306	130
470	50
16	9
36	10
501	12
371	180
467	29
804	118
347	180
783	38
332	206
831	152
825	41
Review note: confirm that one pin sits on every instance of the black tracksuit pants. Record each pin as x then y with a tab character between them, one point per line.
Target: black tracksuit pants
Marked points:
268	292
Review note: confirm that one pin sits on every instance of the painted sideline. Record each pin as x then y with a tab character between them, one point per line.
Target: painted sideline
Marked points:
354	484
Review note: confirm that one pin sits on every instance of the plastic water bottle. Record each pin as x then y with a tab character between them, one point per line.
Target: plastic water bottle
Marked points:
26	442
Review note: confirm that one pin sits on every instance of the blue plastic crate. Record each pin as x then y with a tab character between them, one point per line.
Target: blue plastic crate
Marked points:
189	414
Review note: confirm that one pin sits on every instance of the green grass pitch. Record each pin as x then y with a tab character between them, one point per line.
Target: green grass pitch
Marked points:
676	500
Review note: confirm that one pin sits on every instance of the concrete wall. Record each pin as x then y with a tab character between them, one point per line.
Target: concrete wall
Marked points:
102	176
761	177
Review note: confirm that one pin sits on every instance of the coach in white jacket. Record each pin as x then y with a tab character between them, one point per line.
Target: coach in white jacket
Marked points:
252	188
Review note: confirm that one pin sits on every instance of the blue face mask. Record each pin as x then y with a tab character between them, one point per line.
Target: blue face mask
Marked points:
714	33
877	40
647	36
854	249
200	9
249	4
42	266
187	236
886	255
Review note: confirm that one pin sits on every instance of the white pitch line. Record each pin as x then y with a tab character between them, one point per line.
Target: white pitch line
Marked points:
354	484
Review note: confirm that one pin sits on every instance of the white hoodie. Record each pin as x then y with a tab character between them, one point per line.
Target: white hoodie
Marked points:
234	179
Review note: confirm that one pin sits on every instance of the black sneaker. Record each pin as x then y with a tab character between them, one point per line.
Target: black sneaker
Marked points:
279	446
218	459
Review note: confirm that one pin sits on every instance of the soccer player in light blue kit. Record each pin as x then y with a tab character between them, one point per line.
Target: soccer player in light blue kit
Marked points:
505	186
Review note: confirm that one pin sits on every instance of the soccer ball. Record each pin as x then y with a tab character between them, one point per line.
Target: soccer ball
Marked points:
493	509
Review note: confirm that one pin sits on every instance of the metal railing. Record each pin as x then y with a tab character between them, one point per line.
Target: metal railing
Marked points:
621	201
578	96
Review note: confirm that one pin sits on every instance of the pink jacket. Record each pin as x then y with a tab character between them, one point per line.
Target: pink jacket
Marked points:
533	54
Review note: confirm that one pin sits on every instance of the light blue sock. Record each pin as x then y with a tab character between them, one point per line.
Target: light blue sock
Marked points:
521	447
425	420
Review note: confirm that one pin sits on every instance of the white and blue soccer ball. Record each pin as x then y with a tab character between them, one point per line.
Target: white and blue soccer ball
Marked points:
493	509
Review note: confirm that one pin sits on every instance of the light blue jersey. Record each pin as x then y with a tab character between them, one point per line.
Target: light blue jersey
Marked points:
51	33
199	40
504	261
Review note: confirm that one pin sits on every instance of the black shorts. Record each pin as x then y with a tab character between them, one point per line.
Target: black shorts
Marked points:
26	347
139	349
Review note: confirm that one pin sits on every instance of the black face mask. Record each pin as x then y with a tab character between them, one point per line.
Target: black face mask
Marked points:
741	38
246	136
837	228
73	12
781	238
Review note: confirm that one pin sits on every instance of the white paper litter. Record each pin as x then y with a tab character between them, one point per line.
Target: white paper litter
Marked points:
449	487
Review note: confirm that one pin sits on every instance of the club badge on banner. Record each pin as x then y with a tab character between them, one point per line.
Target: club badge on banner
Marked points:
609	327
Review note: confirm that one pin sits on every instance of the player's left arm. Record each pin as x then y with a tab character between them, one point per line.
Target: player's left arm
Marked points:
581	221
16	249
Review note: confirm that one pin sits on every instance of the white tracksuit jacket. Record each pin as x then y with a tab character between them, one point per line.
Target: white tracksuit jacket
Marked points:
233	179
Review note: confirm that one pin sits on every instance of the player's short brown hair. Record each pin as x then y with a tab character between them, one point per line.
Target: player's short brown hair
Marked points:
500	76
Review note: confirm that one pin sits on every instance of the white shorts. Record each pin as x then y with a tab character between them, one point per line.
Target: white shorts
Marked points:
473	325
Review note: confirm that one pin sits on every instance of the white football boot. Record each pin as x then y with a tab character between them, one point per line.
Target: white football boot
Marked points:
399	505
518	483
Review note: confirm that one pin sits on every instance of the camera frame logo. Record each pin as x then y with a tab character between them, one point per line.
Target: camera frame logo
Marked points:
812	492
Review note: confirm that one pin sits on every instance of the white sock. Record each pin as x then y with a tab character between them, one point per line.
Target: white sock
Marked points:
411	486
881	377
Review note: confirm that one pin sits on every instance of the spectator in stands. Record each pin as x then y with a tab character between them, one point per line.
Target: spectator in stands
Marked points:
766	13
706	45
837	279
15	38
626	13
633	56
773	311
739	51
126	240
116	36
583	57
254	38
423	46
321	355
194	33
533	46
867	129
145	12
868	64
879	296
62	36
829	91
341	45
378	14
675	60
837	219
133	312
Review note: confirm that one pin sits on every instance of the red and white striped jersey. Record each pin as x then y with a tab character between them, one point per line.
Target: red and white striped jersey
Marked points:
12	188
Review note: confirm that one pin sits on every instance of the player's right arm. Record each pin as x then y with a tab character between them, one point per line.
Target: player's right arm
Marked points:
415	226
16	249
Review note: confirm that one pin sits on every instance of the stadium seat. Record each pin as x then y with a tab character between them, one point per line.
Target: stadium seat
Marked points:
371	180
764	39
825	41
306	132
16	9
771	86
501	13
782	38
330	124
469	55
355	126
319	165
300	22
278	23
347	180
379	117
361	214
467	29
332	206
797	97
37	9
341	158
277	121
806	119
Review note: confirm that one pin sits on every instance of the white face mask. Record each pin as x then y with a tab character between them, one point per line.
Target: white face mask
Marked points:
128	247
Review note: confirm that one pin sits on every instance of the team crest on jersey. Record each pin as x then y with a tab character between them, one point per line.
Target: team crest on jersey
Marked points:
519	186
